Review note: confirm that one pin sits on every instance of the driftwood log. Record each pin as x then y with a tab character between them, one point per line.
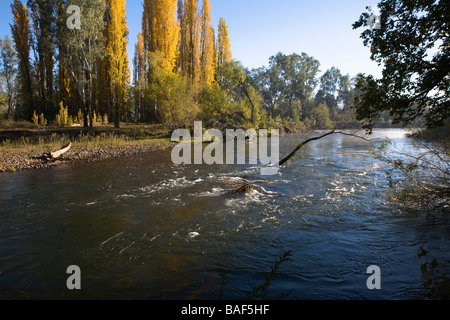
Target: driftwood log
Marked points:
55	155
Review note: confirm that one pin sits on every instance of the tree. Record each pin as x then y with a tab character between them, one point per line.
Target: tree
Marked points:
329	88
43	13
413	45
160	30
160	34
207	61
294	79
8	69
224	54
321	115
86	46
139	78
176	96
66	90
20	29
270	85
191	36
346	93
336	91
235	82
223	43
117	57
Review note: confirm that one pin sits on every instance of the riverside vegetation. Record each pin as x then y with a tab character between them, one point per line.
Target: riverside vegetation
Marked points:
23	149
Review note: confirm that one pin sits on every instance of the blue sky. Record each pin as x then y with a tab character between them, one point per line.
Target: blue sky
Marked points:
261	28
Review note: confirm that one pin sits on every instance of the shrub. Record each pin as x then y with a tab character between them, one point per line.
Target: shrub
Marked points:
35	119
62	119
42	120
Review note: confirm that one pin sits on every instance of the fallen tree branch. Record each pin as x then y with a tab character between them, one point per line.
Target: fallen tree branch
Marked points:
292	154
55	155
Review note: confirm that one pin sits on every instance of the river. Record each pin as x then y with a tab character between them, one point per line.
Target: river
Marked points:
142	228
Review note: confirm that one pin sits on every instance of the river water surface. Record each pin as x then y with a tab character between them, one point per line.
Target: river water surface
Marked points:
143	228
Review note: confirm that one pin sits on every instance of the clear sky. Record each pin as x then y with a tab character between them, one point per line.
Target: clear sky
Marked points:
261	28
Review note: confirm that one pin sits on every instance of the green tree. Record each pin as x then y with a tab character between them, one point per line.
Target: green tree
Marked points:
336	91
289	80
86	47
21	33
43	14
329	89
235	81
216	106
270	85
321	116
65	87
8	69
413	45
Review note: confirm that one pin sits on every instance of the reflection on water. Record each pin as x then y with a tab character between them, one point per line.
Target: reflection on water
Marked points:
142	228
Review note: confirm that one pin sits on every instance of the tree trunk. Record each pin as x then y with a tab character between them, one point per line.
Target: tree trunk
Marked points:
116	109
251	102
91	115
9	103
85	114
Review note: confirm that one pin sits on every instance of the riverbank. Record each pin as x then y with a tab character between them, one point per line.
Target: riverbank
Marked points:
24	149
439	136
17	160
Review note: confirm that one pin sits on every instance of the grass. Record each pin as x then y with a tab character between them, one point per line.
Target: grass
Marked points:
21	140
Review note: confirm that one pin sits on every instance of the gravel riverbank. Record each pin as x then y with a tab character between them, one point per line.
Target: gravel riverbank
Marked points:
18	160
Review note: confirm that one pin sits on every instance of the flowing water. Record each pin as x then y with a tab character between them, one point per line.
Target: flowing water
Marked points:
143	228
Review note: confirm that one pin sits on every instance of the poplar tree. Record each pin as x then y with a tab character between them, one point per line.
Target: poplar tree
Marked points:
181	54
224	55
160	34
192	39
160	30
138	77
117	57
20	29
223	43
207	50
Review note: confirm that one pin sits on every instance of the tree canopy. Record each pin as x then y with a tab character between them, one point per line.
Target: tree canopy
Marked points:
413	46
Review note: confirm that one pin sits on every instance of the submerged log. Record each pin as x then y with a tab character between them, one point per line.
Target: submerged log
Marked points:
244	189
55	155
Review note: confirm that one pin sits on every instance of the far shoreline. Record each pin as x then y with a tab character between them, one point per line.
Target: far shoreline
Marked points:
23	148
26	147
13	160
